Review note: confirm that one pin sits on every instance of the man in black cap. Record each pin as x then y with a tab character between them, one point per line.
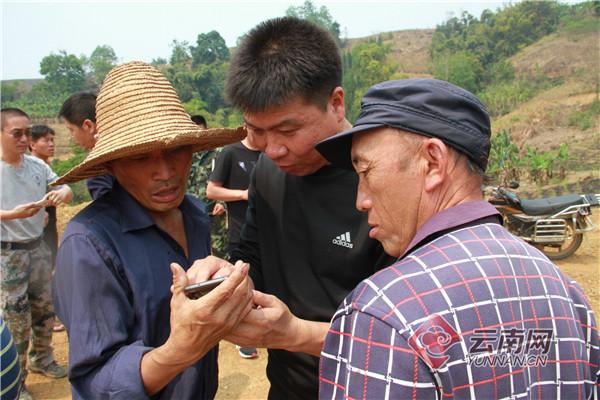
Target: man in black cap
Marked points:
468	310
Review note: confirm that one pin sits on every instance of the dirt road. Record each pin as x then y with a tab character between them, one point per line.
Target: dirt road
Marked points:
245	379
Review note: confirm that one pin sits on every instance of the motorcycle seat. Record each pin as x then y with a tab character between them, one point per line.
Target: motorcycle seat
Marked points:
550	205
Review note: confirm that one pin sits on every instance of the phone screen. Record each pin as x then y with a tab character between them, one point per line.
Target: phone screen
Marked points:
197	290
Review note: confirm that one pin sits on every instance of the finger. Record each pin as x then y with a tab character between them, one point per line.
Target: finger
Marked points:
179	279
240	303
227	289
225	271
31	206
263	300
205	268
50	196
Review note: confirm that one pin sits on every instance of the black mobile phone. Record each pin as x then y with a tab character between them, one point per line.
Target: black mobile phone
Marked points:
197	290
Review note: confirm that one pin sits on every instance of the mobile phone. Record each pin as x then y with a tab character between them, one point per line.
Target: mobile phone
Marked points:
197	290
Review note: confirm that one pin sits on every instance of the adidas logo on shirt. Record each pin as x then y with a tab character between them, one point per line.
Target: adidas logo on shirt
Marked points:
343	240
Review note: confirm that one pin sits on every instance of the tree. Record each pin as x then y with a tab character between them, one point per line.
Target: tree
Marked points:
321	17
208	81
179	76
11	91
210	48
367	64
180	53
102	60
461	68
63	72
159	61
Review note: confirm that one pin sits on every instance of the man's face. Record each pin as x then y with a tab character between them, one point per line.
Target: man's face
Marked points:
43	147
389	187
84	134
157	180
288	134
16	132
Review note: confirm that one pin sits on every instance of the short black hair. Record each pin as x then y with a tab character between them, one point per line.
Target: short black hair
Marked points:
39	131
199	120
280	59
79	107
10	112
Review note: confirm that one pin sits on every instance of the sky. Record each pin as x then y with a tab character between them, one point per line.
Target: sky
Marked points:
144	30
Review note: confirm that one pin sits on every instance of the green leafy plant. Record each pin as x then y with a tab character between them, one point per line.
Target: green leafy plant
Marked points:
504	161
585	118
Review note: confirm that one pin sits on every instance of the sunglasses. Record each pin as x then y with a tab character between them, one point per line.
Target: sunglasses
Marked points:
18	133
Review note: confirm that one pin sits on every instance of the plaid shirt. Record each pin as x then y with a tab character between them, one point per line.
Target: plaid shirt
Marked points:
473	313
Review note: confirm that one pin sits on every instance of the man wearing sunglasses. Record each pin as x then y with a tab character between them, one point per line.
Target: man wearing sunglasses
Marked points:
26	274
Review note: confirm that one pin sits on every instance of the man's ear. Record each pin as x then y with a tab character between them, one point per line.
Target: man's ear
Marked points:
89	126
436	154
336	102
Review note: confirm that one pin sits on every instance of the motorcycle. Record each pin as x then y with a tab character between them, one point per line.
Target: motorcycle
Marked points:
555	225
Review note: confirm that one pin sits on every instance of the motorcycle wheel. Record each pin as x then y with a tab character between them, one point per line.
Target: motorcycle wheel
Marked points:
567	248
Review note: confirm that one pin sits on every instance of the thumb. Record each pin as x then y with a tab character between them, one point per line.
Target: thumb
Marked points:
262	299
179	279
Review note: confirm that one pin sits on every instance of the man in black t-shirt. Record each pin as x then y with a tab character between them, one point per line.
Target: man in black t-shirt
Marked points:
306	243
229	182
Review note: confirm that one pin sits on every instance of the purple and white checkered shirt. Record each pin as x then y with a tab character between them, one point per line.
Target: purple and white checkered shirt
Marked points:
472	313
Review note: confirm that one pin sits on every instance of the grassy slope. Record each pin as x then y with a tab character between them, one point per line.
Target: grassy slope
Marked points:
543	121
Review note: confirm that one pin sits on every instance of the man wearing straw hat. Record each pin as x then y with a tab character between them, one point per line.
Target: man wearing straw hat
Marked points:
130	338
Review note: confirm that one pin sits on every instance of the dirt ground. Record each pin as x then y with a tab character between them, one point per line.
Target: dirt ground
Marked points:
245	379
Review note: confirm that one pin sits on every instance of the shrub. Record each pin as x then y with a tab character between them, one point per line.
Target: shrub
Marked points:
502	98
80	192
585	118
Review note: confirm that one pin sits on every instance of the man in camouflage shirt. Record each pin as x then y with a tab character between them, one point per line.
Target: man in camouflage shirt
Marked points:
202	166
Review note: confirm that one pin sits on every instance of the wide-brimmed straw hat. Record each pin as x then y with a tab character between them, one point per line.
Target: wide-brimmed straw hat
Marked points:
138	111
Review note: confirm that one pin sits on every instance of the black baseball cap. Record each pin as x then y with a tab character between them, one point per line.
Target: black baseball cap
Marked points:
428	107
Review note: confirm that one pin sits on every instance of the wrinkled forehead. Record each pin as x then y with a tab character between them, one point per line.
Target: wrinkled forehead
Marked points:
371	143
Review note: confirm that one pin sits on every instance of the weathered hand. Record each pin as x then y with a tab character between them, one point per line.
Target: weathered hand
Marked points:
198	325
270	325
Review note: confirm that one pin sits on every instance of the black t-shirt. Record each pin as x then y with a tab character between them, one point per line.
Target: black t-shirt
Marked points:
309	246
232	169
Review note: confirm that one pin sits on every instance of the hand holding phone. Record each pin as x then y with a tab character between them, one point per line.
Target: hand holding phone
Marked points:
197	290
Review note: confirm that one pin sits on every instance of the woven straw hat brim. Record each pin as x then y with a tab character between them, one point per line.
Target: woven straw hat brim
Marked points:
200	139
138	111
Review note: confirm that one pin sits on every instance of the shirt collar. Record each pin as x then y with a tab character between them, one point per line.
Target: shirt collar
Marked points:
452	217
135	216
